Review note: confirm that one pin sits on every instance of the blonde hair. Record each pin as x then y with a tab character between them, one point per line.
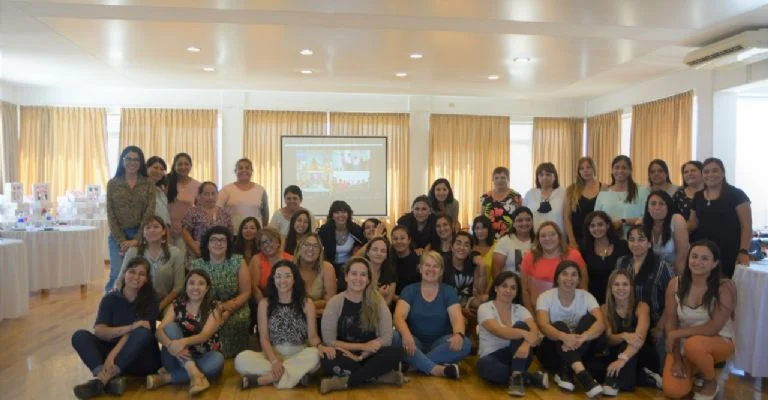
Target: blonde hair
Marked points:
273	234
369	309
536	248
575	190
321	255
434	256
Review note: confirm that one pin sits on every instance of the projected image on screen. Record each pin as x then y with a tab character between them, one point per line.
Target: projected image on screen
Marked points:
352	169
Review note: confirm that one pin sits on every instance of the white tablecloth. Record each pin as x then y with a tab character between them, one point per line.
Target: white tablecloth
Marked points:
103	227
14	279
751	320
64	257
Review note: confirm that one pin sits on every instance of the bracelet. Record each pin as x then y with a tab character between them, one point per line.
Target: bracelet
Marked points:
743	251
273	362
460	334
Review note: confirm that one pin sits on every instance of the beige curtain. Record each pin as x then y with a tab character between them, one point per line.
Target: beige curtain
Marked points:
465	149
604	142
261	143
396	128
662	129
9	143
166	132
64	147
558	140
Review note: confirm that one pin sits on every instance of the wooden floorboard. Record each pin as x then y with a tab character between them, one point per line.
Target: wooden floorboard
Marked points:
38	362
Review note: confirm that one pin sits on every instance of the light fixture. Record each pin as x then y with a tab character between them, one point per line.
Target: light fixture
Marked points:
209	69
521	60
193	49
306	52
416	56
306	71
493	77
401	74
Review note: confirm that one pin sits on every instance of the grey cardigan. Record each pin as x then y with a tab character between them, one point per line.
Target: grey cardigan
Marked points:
332	312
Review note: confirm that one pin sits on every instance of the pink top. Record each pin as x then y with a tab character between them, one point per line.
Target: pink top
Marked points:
244	203
185	199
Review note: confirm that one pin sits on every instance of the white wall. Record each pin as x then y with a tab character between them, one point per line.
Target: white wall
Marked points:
8	92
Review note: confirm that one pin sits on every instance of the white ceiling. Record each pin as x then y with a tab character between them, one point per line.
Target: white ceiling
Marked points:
579	48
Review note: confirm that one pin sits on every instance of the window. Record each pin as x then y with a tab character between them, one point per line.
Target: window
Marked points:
113	140
751	142
521	156
626	133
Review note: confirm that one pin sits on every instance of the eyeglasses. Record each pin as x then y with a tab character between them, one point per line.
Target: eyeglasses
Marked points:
266	243
311	246
217	240
131	159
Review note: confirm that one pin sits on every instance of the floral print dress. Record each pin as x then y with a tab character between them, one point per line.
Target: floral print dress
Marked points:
500	212
192	324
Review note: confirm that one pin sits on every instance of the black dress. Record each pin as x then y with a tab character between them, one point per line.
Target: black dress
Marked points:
583	207
719	223
407	271
599	268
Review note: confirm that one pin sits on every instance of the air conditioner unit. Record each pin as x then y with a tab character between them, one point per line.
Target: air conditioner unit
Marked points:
745	48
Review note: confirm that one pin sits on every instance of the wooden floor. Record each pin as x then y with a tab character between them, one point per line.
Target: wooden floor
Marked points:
38	362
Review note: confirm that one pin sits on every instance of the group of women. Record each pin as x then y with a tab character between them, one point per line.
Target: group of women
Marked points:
598	281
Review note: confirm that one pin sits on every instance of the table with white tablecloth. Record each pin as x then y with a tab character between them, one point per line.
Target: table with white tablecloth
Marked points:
751	319
14	279
103	227
66	256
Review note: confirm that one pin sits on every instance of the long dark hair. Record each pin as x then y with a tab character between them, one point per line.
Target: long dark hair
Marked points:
515	214
631	185
340	205
162	183
206	305
436	241
173	176
719	162
433	203
486	222
163	244
661	163
405	230
240	245
291	240
120	172
547	167
146	296
499	279
695	163
712	296
588	241
298	292
666	233
205	254
651	261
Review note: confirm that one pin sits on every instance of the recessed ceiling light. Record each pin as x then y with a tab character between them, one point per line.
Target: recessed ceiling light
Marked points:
416	56
193	49
306	71
521	60
401	74
493	77
306	52
209	69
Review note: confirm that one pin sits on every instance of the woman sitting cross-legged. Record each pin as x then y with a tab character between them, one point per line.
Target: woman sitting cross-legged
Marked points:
572	324
699	323
429	323
123	341
287	323
507	336
189	335
358	324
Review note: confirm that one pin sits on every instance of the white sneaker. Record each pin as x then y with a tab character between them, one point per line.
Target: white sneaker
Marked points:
564	384
656	378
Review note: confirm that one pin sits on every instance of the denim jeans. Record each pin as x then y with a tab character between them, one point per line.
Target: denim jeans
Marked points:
115	259
428	355
498	366
210	363
139	355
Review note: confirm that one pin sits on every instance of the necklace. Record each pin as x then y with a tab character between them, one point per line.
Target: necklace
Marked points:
604	252
341	239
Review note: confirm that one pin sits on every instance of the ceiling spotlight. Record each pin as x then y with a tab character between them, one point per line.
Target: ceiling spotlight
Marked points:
306	71
521	60
493	77
209	69
193	49
401	74
416	56
306	52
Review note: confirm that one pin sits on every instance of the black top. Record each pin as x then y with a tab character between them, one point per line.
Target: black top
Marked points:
719	223
682	202
348	327
327	234
600	268
387	276
463	280
419	238
583	207
407	271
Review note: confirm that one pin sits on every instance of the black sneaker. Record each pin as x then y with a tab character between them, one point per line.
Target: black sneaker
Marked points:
564	379
652	378
116	386
611	387
590	385
451	371
539	379
89	389
516	386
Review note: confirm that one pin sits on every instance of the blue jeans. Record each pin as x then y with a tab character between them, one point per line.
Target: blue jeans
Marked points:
115	259
139	355
498	366
210	363
428	355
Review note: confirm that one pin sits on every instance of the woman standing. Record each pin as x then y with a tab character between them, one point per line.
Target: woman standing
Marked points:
692	183
499	203
572	324
700	330
666	229
246	241
509	250
358	325
383	275
722	213
182	191
123	341
299	227
281	219
429	323
189	335
658	177
420	222
166	262
405	259
580	200
130	200
547	198
244	198
291	348
341	238
231	287
318	275
601	247
200	218
442	201
623	201
156	168
261	264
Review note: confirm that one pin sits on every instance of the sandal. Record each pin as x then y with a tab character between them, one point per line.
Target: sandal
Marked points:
249	381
